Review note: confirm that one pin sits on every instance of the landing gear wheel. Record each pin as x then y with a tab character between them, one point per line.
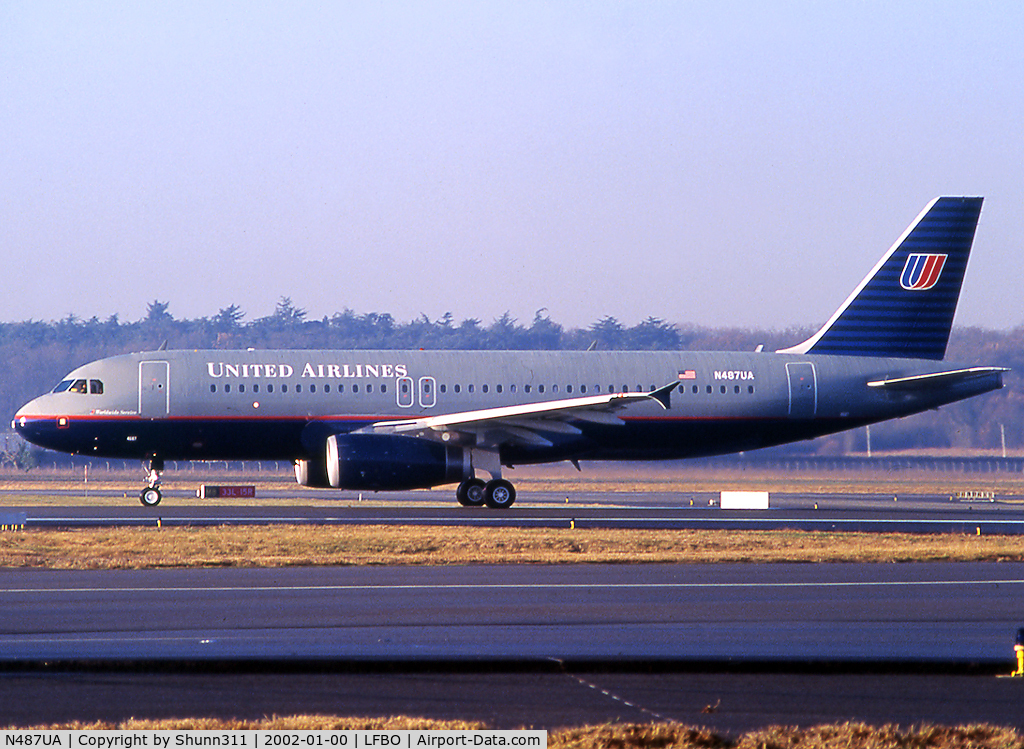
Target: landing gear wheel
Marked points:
151	496
499	494
470	493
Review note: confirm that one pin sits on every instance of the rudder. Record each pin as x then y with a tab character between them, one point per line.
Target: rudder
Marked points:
904	308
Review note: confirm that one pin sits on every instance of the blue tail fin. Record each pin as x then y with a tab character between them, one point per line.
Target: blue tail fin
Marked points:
905	306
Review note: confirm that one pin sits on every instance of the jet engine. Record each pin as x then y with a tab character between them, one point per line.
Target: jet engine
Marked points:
312	473
388	462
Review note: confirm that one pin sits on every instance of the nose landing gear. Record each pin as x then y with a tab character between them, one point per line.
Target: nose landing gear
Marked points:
151	495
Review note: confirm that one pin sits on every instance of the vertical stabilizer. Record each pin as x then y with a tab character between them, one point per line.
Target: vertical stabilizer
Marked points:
904	307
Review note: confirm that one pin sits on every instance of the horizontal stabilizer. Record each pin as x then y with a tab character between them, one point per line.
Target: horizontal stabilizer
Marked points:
937	379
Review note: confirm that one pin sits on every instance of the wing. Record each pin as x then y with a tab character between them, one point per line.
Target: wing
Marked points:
937	379
523	424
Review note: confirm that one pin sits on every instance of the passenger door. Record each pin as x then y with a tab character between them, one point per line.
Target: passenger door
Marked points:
154	390
803	390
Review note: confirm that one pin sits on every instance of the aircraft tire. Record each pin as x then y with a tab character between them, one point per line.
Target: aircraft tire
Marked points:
150	496
470	493
499	494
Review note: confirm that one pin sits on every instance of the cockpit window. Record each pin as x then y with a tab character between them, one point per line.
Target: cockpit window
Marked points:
80	386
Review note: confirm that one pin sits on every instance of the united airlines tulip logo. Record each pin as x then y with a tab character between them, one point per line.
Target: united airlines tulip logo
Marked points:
922	271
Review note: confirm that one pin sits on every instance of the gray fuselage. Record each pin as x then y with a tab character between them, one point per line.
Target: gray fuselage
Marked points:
282	405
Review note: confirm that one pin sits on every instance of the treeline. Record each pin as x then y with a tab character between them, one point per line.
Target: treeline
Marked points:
34	355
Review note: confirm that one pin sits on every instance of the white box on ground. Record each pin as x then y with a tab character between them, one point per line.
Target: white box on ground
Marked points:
744	501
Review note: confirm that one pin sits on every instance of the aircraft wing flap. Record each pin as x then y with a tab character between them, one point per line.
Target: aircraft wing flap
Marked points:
935	379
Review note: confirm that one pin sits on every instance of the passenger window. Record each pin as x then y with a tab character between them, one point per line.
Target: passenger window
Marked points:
471	388
96	387
312	388
568	388
327	388
241	388
526	388
270	388
355	388
710	390
499	387
298	388
458	388
540	388
369	388
284	388
736	388
383	388
512	388
723	389
695	390
256	388
444	388
750	389
227	388
484	388
213	388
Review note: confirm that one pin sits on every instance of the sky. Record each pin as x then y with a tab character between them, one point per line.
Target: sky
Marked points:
709	163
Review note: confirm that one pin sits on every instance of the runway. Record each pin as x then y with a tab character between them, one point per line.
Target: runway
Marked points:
953	613
525	645
723	699
545	646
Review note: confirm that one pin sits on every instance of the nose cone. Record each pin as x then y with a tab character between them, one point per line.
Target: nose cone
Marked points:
35	423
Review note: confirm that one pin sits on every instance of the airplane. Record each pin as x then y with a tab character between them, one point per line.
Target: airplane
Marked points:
399	420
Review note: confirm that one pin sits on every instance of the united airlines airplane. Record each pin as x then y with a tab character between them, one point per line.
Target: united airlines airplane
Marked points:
398	420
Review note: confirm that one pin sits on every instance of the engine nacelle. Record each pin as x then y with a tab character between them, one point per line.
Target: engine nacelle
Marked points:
312	473
390	462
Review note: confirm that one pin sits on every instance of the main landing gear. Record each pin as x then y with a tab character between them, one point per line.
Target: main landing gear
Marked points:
151	496
496	493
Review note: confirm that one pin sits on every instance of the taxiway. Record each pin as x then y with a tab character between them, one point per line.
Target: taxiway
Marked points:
834	512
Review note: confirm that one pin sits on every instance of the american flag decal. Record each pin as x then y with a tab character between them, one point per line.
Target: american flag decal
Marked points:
689	374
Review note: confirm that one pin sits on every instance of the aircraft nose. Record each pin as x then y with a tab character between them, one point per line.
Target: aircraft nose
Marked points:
24	419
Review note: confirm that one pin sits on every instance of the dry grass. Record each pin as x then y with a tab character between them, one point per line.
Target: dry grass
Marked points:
275	723
291	545
629	736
